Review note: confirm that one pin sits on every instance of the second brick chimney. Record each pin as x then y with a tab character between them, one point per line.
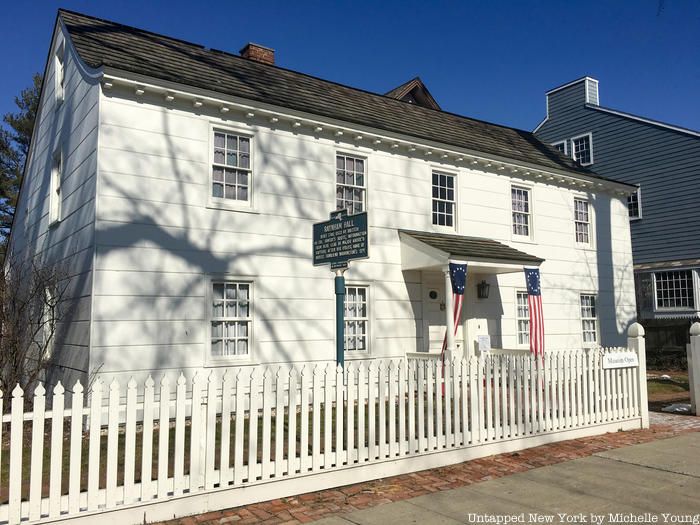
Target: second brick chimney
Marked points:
258	53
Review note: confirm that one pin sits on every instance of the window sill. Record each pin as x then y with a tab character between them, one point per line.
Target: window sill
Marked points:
357	356
232	361
54	223
245	208
587	247
635	219
523	239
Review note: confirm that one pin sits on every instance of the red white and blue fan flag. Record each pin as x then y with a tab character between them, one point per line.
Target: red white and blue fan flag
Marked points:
458	279
534	303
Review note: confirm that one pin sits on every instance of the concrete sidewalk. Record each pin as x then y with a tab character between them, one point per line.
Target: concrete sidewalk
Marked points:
618	485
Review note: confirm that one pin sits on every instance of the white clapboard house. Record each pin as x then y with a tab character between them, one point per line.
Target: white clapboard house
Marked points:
178	186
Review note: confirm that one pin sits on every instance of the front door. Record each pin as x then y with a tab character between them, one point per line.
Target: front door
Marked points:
434	304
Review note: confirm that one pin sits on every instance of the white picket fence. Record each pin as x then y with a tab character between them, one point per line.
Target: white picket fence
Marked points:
155	452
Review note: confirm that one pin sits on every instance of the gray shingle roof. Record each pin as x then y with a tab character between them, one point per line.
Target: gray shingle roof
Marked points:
104	43
460	246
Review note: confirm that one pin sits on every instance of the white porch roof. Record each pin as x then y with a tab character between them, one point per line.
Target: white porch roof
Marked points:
433	251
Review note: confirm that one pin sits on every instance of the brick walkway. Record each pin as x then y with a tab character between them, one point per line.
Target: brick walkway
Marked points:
316	505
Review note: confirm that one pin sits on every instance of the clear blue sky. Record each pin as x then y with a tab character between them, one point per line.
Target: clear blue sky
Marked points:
490	60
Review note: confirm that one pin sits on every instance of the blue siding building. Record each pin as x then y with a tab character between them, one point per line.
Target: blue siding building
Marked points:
664	161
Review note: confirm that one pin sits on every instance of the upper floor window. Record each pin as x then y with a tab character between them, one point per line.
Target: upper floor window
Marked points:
589	319
582	149
351	180
561	146
674	289
231	319
582	221
60	75
56	195
520	205
231	172
356	318
443	199
634	204
523	318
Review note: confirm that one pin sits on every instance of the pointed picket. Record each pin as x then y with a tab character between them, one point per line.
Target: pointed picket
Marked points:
391	375
422	441
381	408
362	450
179	466
316	419
16	448
280	381
439	395
112	444
403	444
210	474
196	434
37	452
163	436
464	393
339	456
306	376
371	410
56	451
147	441
225	450
351	389
93	447
412	434
328	377
253	425
267	399
490	432
447	405
239	471
430	380
292	423
130	443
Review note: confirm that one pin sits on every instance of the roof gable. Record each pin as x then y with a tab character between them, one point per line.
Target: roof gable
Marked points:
414	92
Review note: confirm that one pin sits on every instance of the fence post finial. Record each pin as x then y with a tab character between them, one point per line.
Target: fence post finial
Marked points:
636	343
693	353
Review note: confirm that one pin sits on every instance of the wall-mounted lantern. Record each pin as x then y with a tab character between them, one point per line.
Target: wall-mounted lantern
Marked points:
482	290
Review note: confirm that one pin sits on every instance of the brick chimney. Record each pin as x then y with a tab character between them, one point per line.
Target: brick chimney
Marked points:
258	53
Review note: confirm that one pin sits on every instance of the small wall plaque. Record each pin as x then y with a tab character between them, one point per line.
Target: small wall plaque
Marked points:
620	360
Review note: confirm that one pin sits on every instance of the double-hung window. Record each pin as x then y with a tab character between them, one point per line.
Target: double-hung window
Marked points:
351	180
582	221
589	319
231	318
443	199
231	170
582	149
634	204
520	206
674	289
356	318
561	146
56	195
523	318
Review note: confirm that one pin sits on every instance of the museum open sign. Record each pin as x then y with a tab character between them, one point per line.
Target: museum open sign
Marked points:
341	239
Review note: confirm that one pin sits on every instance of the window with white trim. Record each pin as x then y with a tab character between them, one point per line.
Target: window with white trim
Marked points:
589	319
231	318
674	289
520	205
582	221
356	318
523	318
231	171
634	204
56	196
443	199
351	180
60	75
561	146
582	149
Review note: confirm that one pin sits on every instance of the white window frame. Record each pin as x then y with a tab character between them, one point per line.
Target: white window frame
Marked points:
519	319
591	230
364	188
60	74
455	181
56	188
360	354
695	292
595	319
530	213
210	359
565	142
222	202
638	193
588	135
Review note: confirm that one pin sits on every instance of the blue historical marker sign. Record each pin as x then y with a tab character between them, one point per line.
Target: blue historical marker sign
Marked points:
341	239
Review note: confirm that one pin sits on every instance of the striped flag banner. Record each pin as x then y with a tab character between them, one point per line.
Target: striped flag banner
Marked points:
534	303
458	279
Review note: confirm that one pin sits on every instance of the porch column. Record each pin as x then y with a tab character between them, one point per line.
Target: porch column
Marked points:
449	313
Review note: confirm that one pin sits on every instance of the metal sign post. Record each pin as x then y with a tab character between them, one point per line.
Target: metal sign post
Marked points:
336	242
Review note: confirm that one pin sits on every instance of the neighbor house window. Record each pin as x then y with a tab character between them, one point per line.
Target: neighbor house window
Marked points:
634	204
520	205
356	318
351	180
582	149
523	318
674	289
56	195
60	75
561	146
589	319
443	199
231	173
231	318
582	221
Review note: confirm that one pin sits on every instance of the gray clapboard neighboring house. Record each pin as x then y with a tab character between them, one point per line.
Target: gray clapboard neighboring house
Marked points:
664	161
